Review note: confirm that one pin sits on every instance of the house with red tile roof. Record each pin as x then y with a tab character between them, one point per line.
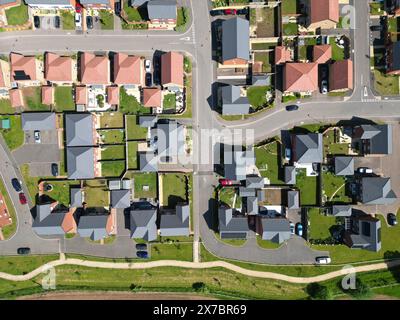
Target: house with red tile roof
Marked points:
47	95
341	75
152	97
128	70
4	74
24	69
300	77
113	95
282	55
322	53
323	14
95	69
58	69
172	70
16	98
81	96
6	4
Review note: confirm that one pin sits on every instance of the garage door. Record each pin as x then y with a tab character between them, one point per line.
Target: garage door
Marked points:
234	235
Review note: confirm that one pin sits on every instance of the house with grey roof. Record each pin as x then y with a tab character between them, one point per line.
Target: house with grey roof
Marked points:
290	175
232	224
235	41
147	121
80	162
237	164
143	217
293	199
169	139
255	182
246	192
148	162
252	205
376	190
38	121
162	14
263	80
137	3
344	166
374	139
94	226
276	230
114	184
120	199
342	211
176	223
79	129
307	148
233	103
50	4
75	197
49	220
365	233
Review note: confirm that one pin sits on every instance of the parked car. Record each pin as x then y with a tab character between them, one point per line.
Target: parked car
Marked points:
288	154
292	107
324	86
142	254
141	247
36	135
117	8
149	79
78	20
322	260
22	198
230	12
16	184
23	251
292	227
214	13
147	64
54	169
57	22
36	22
89	22
364	170
377	28
392	219
242	11
299	228
225	182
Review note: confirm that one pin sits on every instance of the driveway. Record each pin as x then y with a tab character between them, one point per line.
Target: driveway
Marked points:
38	153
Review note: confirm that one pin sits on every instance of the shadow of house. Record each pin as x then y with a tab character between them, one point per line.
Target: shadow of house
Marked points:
211	216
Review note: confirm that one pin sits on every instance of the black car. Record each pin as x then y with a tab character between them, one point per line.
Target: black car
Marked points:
57	22
54	169
392	220
141	246
377	28
142	254
23	251
36	21
117	8
292	107
89	22
16	184
214	13
149	80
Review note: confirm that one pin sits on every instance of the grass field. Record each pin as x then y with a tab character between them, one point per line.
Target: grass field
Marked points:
320	225
113	168
60	191
96	193
257	96
113	152
227	196
17	15
33	99
112	136
133	155
386	84
30	182
267	161
334	188
266	244
174	189
264	58
106	20
14	136
307	187
143	181
68	20
5	107
63	99
130	105
172	251
133	130
111	120
169	101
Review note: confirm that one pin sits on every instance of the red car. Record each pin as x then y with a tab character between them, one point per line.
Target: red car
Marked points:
22	198
230	11
225	182
78	7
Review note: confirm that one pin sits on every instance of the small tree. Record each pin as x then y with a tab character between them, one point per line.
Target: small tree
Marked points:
319	292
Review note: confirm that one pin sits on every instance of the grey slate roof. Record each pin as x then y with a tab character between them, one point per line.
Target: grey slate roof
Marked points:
341	211
308	148
365	233
148	162
290	175
114	184
252	205
147	121
395	61
170	139
235	39
79	129
80	162
293	199
47	222
379	136
120	199
86	2
76	197
176	224
137	3
93	226
236	163
143	223
275	229
245	192
344	166
38	121
232	102
161	9
377	190
260	80
231	221
255	182
48	2
261	195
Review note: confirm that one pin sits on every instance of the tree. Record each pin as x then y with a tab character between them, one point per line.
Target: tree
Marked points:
318	291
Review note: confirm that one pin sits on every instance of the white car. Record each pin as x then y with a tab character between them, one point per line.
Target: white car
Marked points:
78	20
365	170
324	87
322	260
36	135
147	64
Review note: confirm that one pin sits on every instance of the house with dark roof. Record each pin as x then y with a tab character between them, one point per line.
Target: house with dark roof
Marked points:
393	58
322	14
143	218
374	139
232	224
79	129
344	166
246	192
376	191
276	230
235	42
300	77
290	175
233	102
307	148
238	164
44	121
293	199
260	80
148	162
120	199
96	226
148	121
341	76
162	14
175	223
252	205
255	182
341	211
365	233
76	199
81	162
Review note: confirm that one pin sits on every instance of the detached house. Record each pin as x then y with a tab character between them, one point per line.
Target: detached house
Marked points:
300	77
51	4
172	71
235	42
94	69
276	230
374	139
307	149
162	14
238	164
232	224
322	14
95	225
175	223
128	70
143	217
233	103
24	70
376	191
58	69
393	58
365	233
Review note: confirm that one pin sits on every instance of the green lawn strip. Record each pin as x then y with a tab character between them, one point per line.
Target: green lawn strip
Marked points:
111	120
17	15
264	58
289	7
337	52
112	136
290	29
267	160
96	193
320	225
113	152
14	137
182	20
63	98
187	64
174	189
391	290
19	265
133	130
8	230
266	244
112	168
307	187
169	101
257	96
33	99
106	19
386	84
68	20
5	107
30	182
172	251
60	191
142	181
132	155
129	104
335	186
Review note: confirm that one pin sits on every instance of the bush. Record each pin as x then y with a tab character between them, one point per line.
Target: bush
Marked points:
361	291
318	291
199	287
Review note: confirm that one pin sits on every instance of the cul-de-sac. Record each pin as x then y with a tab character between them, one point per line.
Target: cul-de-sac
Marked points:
226	148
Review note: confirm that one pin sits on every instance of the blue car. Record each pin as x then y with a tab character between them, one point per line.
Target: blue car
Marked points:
16	184
142	254
299	230
292	228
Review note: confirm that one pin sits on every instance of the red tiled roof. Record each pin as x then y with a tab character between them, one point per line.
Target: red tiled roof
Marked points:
322	53
81	95
113	95
47	95
282	55
10	4
22	67
128	69
301	77
172	69
58	68
322	10
94	69
152	97
341	75
16	98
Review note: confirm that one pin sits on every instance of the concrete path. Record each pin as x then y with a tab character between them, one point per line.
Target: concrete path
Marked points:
198	265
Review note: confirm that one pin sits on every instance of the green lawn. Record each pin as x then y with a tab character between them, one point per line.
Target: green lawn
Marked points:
63	98
129	104
174	189
60	191
289	7
9	230
67	20
257	96
337	52
111	120
290	29
112	168
19	265
17	15
14	136
182	20
112	136
267	161
106	20
33	99
133	130
334	188
320	225
187	64
30	182
96	193
377	8
5	107
116	152
145	184
264	58
227	196
169	101
133	14
133	155
392	24
266	244
172	251
307	187
386	84
331	146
